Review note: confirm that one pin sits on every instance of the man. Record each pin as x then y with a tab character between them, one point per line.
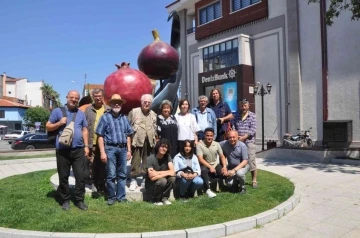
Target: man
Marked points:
114	140
93	114
160	173
205	117
208	152
245	125
236	154
71	156
143	121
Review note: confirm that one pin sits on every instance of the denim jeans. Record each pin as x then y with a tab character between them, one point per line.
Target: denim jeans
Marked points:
116	170
193	185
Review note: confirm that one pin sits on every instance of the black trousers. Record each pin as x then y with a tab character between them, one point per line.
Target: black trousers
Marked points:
206	174
160	189
98	170
65	159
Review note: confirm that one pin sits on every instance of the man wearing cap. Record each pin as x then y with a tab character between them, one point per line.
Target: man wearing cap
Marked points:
143	121
114	140
245	125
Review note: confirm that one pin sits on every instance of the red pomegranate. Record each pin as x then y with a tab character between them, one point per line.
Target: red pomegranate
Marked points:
129	83
158	60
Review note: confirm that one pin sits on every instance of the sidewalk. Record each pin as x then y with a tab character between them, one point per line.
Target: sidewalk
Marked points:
329	205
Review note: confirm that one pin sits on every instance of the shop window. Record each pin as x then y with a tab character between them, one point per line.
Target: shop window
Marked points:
2	114
210	13
240	4
221	55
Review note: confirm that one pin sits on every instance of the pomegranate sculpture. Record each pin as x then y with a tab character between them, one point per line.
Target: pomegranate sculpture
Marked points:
158	60
129	83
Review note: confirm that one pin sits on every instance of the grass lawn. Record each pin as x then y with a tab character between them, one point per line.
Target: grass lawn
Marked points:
12	157
28	202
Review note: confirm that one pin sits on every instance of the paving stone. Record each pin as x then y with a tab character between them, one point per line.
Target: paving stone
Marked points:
340	221
169	234
284	208
73	235
330	229
119	235
240	225
352	234
266	217
206	231
6	232
299	221
310	233
295	199
284	228
31	234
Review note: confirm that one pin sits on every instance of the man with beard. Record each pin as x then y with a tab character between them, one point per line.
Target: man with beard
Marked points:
114	140
143	121
73	155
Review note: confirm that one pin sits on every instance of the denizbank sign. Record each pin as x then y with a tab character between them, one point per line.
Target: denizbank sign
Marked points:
216	77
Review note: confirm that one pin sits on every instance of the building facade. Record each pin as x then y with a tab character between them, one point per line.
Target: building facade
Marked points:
11	115
313	68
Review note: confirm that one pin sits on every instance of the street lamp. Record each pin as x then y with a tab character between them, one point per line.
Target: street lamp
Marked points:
262	93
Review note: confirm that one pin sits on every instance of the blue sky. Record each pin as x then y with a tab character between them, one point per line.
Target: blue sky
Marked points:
61	41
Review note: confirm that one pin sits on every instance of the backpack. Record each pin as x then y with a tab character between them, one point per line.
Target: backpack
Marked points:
53	134
67	135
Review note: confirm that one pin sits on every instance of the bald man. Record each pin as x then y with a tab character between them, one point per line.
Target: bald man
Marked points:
74	155
236	154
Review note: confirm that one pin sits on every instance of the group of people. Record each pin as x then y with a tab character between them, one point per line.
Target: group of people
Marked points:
185	151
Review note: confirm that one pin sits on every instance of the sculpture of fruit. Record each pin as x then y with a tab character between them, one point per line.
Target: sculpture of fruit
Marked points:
158	60
129	83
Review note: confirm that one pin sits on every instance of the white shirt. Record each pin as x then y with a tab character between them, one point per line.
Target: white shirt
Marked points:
187	126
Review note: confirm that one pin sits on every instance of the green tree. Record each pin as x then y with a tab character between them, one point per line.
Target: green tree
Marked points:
51	98
337	6
36	114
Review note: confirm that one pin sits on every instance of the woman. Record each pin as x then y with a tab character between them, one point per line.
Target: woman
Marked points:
188	126
188	172
222	112
167	126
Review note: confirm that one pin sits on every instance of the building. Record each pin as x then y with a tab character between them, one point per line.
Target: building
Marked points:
22	89
12	114
313	68
88	88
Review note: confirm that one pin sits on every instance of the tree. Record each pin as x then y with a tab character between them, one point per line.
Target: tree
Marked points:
337	6
36	114
51	98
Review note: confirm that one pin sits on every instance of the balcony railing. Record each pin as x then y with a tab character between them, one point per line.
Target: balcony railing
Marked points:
191	30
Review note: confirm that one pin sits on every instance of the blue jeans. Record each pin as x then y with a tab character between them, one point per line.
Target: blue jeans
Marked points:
116	170
193	185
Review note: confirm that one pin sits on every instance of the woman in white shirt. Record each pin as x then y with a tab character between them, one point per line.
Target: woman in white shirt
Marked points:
187	124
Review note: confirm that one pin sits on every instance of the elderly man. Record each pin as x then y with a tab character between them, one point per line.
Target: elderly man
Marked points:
208	152
73	155
93	114
143	121
114	140
237	158
205	117
245	125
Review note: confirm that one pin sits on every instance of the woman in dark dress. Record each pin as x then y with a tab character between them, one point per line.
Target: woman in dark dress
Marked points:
167	126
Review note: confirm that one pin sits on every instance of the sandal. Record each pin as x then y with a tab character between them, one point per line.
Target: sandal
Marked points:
254	184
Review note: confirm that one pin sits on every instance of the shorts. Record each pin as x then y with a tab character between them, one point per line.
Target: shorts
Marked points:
251	152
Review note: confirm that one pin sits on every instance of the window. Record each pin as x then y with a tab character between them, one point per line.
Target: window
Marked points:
2	114
210	13
221	55
240	4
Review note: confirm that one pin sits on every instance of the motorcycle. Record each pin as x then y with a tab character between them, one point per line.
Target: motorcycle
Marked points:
299	140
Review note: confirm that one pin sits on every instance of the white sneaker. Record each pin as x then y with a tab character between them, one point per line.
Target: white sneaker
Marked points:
158	203
210	193
166	202
133	186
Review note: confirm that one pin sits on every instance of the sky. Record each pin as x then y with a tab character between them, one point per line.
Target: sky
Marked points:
61	41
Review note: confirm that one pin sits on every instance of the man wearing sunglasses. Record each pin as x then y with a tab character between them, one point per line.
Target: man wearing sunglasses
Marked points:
143	121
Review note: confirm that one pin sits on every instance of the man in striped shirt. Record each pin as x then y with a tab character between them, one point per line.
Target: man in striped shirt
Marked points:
114	140
245	125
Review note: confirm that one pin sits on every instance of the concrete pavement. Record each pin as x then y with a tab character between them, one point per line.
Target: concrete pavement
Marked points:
330	197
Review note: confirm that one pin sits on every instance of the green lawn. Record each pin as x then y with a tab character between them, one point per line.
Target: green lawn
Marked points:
12	157
28	202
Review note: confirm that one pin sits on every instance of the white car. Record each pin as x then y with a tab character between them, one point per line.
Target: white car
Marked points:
14	135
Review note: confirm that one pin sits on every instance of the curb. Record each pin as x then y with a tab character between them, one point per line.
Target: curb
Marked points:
24	161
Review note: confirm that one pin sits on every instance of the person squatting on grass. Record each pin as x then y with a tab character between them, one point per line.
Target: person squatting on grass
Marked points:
114	140
73	155
160	177
188	171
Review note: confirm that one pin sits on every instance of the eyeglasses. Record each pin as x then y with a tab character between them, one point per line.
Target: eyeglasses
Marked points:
146	102
164	146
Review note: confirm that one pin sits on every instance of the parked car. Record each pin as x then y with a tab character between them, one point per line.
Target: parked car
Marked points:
32	141
14	135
